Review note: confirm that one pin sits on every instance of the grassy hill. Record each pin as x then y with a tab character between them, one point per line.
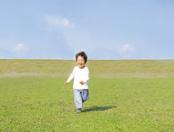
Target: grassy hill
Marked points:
108	68
125	96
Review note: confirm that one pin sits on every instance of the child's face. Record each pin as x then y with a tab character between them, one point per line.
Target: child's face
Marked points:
80	61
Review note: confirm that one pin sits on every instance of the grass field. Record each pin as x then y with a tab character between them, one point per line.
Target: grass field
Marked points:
125	96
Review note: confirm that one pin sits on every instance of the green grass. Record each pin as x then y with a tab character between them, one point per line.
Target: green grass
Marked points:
125	96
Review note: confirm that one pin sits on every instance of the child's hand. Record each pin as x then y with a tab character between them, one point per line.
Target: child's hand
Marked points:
82	82
66	83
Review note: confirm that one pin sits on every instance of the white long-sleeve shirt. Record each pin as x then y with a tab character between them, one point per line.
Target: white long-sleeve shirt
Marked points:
79	75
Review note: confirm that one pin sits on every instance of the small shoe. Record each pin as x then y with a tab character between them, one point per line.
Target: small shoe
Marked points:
79	110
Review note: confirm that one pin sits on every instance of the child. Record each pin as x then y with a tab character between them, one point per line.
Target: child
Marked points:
80	74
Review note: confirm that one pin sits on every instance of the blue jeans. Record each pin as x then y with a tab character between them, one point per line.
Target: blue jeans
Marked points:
80	96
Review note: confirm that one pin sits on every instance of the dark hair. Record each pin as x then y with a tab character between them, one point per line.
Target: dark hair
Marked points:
82	54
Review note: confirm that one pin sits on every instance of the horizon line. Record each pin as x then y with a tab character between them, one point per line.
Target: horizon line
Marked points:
59	59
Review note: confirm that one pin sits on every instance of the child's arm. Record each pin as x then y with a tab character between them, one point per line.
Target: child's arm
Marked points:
70	77
86	78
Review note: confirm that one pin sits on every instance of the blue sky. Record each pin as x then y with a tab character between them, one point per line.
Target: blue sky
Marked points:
105	29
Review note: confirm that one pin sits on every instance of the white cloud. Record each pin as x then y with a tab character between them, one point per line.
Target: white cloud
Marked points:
20	47
126	48
58	22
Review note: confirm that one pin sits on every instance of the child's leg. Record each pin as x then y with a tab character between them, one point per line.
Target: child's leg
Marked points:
85	95
78	99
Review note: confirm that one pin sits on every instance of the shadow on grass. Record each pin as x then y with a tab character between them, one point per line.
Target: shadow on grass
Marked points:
98	108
